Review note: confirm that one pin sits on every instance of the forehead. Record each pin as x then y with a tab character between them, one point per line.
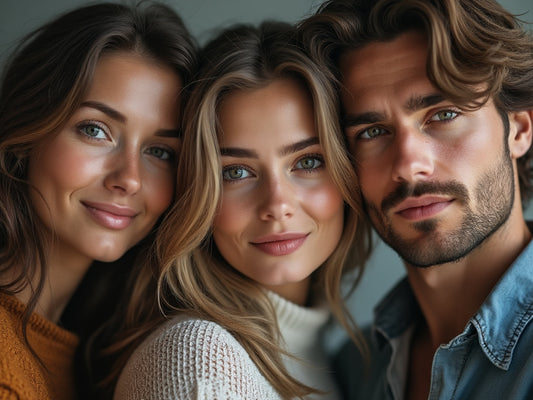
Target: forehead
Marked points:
393	67
136	87
274	112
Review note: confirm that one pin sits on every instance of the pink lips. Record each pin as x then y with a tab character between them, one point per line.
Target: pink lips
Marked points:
110	215
422	207
280	244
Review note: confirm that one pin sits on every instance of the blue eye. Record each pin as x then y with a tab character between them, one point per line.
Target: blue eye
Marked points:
93	131
444	115
310	163
161	153
234	173
372	132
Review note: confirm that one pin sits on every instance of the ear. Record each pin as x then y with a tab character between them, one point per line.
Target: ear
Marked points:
520	132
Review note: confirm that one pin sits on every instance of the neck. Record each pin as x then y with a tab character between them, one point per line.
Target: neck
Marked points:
64	273
296	292
450	294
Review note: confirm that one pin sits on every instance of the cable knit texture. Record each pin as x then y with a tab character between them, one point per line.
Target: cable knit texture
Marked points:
189	358
21	374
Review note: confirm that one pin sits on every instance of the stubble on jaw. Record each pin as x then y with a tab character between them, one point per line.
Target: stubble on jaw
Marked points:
494	199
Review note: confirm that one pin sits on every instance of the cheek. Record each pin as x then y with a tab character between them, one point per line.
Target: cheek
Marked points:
159	192
325	203
230	223
232	216
59	168
372	178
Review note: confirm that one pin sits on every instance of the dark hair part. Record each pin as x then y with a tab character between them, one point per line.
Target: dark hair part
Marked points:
42	85
478	51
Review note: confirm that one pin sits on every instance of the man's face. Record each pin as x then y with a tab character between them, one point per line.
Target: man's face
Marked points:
436	180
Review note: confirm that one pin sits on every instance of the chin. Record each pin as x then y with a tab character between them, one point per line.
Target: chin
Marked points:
109	253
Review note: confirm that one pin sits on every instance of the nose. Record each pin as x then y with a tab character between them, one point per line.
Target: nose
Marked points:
124	175
278	199
413	158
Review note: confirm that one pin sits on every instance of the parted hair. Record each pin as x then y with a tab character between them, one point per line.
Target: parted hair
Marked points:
193	277
43	83
478	51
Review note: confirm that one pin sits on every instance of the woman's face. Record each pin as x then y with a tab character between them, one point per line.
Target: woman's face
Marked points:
104	180
281	215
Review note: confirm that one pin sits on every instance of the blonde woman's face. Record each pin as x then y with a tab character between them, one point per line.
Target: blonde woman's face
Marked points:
281	215
108	175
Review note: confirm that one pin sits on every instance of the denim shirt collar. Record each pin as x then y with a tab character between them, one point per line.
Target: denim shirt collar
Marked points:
507	310
396	313
499	321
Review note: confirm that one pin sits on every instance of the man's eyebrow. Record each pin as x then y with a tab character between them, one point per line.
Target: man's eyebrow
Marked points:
286	150
361	119
416	103
109	111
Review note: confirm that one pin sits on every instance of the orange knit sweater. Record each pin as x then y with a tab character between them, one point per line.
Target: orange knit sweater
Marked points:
21	375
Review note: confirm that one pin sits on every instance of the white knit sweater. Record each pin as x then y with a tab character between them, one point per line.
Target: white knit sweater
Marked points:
196	359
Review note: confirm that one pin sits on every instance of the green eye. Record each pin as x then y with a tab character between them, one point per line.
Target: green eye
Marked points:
309	163
371	132
444	115
161	153
235	173
92	131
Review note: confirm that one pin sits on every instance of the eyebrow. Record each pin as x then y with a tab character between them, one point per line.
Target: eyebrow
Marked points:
362	119
172	133
110	112
413	104
420	102
239	152
117	116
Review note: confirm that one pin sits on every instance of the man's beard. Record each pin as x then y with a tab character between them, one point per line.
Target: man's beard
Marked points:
493	199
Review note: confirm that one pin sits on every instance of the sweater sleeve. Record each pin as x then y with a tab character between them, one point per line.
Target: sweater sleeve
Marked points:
8	394
192	359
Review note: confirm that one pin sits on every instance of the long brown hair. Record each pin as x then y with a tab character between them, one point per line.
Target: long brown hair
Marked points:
42	85
478	51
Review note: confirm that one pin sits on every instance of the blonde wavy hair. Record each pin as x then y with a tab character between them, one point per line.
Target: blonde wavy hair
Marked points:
192	277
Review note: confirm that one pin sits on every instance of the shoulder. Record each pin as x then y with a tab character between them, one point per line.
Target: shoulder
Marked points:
20	373
15	353
10	317
191	358
187	340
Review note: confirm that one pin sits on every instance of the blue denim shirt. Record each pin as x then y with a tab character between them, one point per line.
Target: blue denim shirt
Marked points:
491	359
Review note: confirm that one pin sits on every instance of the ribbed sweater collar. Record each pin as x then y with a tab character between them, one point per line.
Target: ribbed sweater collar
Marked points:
299	326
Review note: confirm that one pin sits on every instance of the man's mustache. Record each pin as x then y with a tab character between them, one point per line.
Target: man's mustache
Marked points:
454	189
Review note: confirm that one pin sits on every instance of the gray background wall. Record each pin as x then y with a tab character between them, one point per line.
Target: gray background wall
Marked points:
203	17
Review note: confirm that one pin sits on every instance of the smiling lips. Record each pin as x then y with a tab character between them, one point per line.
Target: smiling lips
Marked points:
280	245
422	207
111	216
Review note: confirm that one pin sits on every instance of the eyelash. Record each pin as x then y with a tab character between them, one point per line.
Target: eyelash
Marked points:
314	156
90	124
452	110
87	124
455	113
318	157
171	154
234	167
359	134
